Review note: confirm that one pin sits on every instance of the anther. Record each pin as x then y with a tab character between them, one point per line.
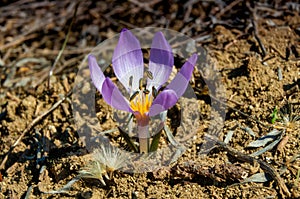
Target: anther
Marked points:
130	81
149	74
146	91
154	92
141	84
133	95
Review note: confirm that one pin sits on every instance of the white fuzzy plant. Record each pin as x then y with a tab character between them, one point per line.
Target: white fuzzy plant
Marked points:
105	160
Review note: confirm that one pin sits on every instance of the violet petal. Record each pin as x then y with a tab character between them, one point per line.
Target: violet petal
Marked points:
127	60
165	100
96	73
161	61
181	80
112	95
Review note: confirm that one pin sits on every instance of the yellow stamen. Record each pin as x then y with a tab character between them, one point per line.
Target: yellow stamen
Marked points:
141	104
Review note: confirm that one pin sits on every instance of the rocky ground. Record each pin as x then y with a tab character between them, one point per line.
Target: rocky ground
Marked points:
255	49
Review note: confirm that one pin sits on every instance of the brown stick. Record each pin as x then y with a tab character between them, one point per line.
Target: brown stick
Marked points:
18	41
32	124
228	8
260	43
247	158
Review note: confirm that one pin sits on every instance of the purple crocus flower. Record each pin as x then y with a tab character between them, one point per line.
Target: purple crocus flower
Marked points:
128	65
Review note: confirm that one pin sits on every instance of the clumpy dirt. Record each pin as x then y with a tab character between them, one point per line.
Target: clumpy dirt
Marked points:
255	47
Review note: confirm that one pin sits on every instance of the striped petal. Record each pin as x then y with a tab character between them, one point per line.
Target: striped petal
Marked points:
165	100
96	73
181	80
110	93
161	61
127	60
169	96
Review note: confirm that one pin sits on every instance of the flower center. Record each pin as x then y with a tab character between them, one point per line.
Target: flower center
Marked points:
141	102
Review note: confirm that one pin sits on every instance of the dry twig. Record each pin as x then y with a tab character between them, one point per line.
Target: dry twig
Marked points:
31	125
264	166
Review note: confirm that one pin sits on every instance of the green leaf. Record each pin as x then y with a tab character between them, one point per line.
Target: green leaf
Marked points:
274	116
155	142
128	140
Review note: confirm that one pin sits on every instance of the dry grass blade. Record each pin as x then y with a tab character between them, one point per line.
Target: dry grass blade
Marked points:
258	177
64	45
268	147
262	141
65	188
